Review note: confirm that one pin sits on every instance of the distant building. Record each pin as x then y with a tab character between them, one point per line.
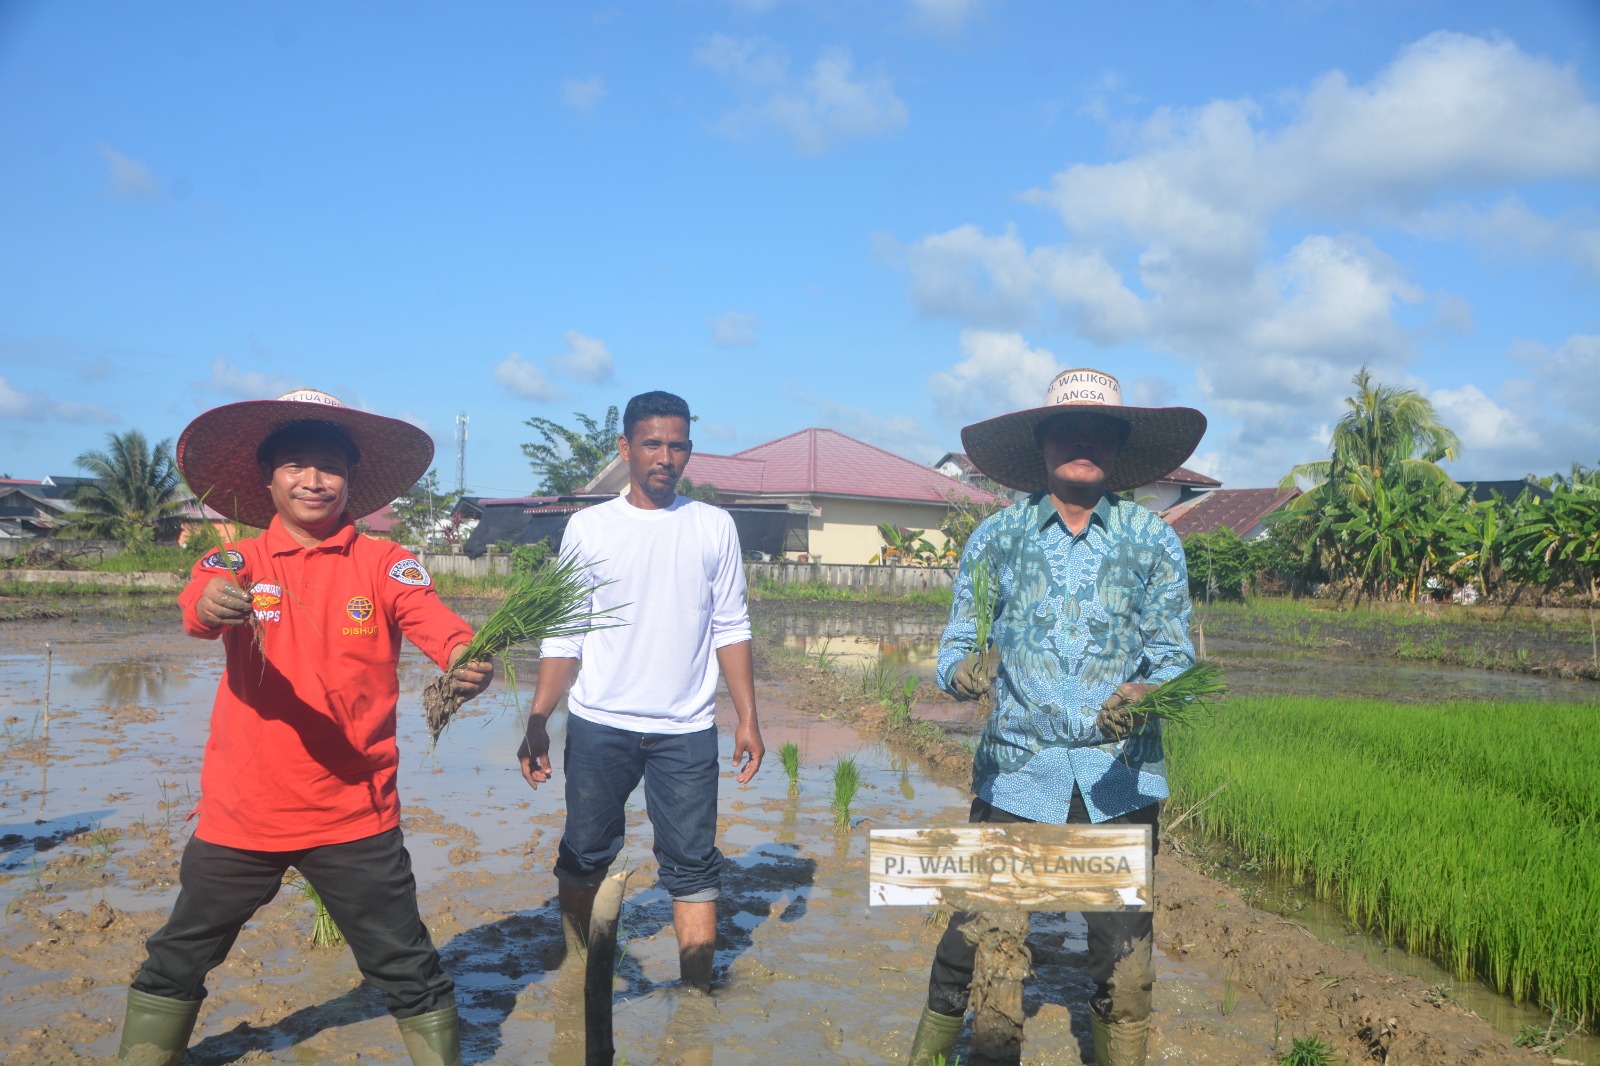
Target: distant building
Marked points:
1179	487
1242	510
31	509
833	491
1484	491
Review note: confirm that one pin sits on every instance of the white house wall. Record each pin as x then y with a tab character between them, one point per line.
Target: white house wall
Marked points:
846	530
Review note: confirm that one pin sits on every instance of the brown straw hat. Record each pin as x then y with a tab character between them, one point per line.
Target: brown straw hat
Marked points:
217	453
1159	440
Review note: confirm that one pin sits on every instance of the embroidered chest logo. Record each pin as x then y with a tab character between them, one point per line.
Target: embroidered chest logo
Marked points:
360	610
229	560
267	601
410	572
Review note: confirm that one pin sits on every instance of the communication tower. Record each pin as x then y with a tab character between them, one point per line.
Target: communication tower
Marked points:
461	451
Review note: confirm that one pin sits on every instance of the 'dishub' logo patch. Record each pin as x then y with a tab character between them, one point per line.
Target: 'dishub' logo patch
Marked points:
360	610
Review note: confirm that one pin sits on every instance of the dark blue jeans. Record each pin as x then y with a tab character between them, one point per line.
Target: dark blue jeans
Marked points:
1119	941
366	885
603	766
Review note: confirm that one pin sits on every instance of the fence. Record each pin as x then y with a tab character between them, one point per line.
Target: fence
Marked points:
887	579
437	563
86	550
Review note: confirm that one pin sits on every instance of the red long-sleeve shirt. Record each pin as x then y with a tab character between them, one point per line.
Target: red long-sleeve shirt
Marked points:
302	747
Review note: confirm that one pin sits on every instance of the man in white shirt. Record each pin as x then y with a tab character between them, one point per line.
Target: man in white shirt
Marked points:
644	707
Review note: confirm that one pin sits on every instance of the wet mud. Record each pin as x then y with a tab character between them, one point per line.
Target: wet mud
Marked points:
94	811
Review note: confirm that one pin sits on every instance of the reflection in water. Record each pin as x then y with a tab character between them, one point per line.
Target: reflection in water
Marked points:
126	680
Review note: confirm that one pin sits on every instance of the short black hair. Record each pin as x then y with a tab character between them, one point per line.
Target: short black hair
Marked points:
305	432
653	405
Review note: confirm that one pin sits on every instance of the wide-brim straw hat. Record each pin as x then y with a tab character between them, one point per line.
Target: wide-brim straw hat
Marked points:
1159	438
217	454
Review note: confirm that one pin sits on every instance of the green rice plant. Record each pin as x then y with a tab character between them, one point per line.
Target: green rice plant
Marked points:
790	754
324	933
985	594
1466	832
1186	699
1308	1051
846	780
550	602
900	710
877	681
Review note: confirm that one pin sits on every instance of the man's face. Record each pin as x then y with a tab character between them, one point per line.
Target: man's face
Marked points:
310	485
656	455
1078	449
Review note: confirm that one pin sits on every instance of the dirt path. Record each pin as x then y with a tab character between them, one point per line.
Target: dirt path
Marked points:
92	818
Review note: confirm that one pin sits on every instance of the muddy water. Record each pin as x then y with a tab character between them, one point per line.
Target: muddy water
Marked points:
93	813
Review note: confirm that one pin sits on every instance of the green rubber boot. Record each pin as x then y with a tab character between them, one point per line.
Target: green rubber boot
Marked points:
935	1039
156	1030
1119	1043
433	1039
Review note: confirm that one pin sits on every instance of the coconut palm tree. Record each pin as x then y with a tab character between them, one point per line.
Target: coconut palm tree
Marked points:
137	495
1380	483
1384	427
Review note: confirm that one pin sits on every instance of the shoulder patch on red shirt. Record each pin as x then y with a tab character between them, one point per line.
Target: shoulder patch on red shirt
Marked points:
229	561
410	572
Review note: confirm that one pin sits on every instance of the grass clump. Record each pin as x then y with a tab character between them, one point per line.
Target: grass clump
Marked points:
790	755
846	780
549	602
1308	1051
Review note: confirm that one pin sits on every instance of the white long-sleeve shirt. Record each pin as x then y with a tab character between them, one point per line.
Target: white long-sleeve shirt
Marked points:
674	576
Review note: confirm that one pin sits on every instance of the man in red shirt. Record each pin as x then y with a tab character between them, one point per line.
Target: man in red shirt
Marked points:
300	764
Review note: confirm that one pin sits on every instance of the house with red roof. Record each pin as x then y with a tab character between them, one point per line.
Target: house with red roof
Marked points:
842	486
1242	510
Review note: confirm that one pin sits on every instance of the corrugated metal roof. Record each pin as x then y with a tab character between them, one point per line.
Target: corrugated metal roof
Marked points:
825	462
1241	510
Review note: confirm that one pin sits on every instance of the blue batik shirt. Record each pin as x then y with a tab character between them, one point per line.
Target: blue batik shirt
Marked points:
1075	615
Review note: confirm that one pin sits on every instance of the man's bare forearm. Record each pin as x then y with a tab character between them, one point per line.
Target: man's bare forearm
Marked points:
555	677
738	672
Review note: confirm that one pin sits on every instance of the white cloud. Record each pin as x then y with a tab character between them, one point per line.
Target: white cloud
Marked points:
587	358
903	435
127	178
945	16
999	373
37	406
733	330
522	379
827	107
235	383
583	96
1183	244
15	404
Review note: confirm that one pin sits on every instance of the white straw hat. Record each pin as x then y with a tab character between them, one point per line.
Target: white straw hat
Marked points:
1159	438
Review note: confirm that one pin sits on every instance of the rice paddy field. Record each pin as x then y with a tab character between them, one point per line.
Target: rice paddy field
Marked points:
1466	831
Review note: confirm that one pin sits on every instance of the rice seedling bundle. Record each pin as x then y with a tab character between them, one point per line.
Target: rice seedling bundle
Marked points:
324	931
790	754
985	594
552	601
1184	700
846	779
1466	832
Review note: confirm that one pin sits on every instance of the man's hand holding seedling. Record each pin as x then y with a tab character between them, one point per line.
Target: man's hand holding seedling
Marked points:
223	603
974	678
470	678
1116	718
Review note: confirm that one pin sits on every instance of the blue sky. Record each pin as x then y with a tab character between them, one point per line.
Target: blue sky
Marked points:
890	218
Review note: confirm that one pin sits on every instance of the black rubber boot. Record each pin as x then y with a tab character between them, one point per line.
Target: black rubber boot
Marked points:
156	1030
433	1039
935	1039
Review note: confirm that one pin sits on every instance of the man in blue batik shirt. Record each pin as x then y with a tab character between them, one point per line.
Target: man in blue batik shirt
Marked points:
1090	610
